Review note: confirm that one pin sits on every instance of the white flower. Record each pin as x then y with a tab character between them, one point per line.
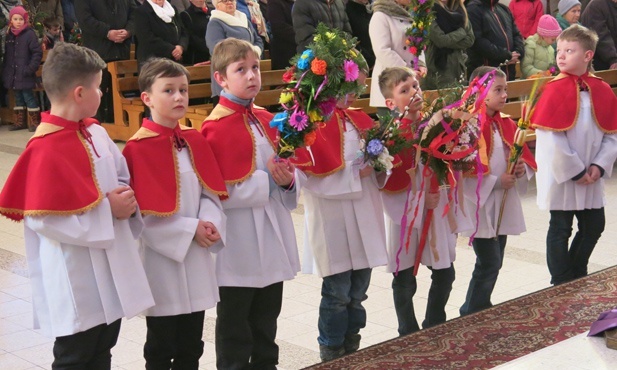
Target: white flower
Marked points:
385	159
464	138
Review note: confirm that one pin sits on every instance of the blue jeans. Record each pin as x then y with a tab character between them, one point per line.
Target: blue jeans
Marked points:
563	264
25	98
404	287
489	259
341	312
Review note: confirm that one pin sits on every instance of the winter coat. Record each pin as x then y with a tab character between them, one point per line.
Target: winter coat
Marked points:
526	15
283	41
601	16
307	14
22	59
359	20
155	37
195	22
496	36
539	56
563	23
96	18
456	43
52	8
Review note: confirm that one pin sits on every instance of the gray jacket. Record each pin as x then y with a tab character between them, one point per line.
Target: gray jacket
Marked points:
307	14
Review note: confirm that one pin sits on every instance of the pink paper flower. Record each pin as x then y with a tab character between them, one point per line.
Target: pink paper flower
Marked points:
351	70
298	120
327	107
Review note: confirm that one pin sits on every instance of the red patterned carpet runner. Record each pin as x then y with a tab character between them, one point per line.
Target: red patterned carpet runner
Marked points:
496	335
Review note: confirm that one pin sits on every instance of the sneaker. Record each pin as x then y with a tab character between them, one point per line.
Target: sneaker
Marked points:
330	353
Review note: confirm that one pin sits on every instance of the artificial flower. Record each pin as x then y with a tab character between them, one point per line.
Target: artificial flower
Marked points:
278	121
286	97
351	70
309	138
314	116
305	59
288	76
298	120
330	35
319	67
374	147
327	106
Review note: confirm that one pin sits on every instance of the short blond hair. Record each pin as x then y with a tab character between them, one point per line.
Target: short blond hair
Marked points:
588	38
229	51
155	68
68	66
390	77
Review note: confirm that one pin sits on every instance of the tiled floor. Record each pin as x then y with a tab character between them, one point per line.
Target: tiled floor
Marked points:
524	271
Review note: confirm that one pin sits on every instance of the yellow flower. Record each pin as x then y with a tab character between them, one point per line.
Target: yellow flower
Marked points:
344	42
317	38
314	116
330	35
353	53
286	97
420	25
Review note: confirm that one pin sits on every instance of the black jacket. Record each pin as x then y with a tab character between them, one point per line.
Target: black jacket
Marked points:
283	41
22	58
97	17
195	22
155	38
307	14
359	20
496	36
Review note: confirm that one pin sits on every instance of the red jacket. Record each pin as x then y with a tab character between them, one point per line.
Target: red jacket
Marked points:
527	14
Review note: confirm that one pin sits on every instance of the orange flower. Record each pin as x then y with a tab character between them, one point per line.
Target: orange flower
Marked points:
309	138
319	66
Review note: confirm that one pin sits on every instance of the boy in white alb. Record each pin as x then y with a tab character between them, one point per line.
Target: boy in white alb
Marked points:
177	183
71	188
576	123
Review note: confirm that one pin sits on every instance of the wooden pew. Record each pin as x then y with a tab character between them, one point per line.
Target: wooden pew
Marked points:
128	107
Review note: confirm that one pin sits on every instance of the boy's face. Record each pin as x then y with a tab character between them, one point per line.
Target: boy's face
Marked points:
348	100
54	31
402	96
17	21
572	58
573	15
497	95
90	96
167	99
242	78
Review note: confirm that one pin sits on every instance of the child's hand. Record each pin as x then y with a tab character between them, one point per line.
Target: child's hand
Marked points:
594	173
515	57
519	169
366	171
206	234
282	171
507	181
122	201
432	200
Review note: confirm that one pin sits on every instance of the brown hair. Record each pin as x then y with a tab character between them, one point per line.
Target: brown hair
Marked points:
390	77
68	66
484	70
229	51
51	22
155	68
586	37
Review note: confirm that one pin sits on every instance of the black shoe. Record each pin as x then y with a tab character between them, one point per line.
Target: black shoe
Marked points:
352	343
15	127
330	353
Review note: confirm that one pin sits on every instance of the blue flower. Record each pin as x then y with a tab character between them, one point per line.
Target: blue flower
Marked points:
305	59
374	147
278	121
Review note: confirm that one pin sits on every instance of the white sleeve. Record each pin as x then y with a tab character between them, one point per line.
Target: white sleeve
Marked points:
253	192
566	163
211	210
607	155
343	184
170	236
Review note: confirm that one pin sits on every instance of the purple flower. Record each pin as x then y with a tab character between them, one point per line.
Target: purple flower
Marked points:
327	107
421	1
374	147
298	120
351	70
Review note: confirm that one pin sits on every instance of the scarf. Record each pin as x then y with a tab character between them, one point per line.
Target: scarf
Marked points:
165	12
237	20
258	19
448	21
391	8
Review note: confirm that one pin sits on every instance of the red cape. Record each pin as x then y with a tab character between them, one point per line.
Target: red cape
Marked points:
54	175
559	104
507	130
152	160
399	180
230	136
328	150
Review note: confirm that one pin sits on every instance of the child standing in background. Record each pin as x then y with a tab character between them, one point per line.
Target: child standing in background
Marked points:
53	33
539	52
576	123
177	183
498	133
22	58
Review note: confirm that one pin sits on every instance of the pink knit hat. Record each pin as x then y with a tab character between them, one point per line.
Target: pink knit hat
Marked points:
548	26
19	10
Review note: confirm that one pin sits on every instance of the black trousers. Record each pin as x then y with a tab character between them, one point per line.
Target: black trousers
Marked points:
174	342
86	350
246	327
105	113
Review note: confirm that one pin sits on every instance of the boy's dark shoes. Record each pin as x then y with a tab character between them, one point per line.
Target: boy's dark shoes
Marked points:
352	343
330	353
